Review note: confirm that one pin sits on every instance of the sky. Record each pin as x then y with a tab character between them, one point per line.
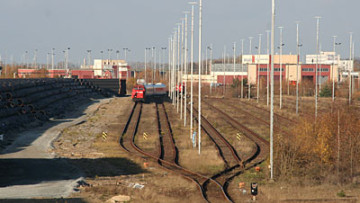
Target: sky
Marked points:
99	25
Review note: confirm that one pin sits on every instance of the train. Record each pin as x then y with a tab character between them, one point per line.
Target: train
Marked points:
149	92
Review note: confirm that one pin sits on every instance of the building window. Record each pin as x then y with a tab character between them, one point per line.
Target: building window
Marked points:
308	70
263	69
278	69
323	69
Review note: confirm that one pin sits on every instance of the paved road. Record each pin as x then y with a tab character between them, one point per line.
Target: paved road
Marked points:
28	169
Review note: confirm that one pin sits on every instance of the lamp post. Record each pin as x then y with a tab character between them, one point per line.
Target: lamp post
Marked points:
182	67
272	92
267	68
224	64
126	50
169	65
333	75
173	67
163	62
249	84
234	59
258	70
117	54
26	62
89	58
185	64
297	67
192	69
281	50
52	58
102	62
317	63
211	61
67	61
200	46
350	69
178	66
146	50
242	69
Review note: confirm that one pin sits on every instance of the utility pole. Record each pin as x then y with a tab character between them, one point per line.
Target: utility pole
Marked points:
200	62
268	68
258	71
317	64
272	93
281	50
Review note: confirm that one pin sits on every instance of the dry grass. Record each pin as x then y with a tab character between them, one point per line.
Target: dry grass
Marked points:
208	162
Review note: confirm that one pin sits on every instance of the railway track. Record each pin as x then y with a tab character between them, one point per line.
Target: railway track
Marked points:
257	118
168	154
277	116
226	151
257	156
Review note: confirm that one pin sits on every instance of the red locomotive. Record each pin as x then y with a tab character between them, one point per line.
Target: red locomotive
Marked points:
148	92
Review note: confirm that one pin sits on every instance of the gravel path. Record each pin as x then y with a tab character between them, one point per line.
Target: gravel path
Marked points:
28	168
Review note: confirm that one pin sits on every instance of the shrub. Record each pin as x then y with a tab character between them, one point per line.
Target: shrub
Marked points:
326	92
341	194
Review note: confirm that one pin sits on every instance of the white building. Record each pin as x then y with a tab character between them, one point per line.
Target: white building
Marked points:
328	58
102	66
265	59
346	65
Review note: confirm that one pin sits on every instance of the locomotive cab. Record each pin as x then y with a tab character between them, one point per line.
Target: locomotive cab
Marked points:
138	93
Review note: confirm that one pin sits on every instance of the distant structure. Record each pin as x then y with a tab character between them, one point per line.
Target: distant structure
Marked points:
104	69
113	68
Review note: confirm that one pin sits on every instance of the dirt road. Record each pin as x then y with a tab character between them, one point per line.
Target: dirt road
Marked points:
28	168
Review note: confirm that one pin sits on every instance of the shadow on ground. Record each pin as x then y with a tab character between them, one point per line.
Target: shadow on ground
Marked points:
38	128
32	171
42	201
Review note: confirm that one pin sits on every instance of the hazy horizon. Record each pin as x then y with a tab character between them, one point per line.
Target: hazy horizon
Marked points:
27	25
